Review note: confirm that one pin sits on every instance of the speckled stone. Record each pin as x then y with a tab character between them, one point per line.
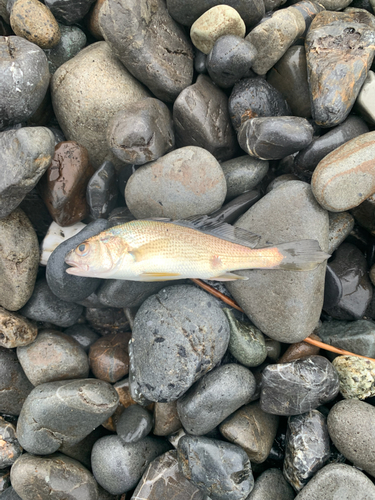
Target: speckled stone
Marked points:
15	330
134	424
340	226
243	174
109	358
357	377
10	448
353	336
252	429
299	386
71	42
14	385
166	419
271	485
366	97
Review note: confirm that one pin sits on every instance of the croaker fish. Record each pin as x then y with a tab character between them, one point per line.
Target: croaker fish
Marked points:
161	250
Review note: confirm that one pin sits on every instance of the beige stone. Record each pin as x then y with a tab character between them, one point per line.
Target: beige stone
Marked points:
15	330
365	103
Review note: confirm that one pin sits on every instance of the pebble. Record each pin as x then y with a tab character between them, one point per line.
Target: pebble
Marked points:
363	214
354	336
340	226
201	118
63	412
83	335
10	448
53	476
297	351
107	320
214	397
280	180
102	191
216	22
273	348
357	377
162	60
53	356
14	385
219	469
32	20
185	182
118	466
299	386
4	480
200	62
15	330
247	343
166	419
365	100
71	42
344	178
25	155
271	485
134	424
307	448
93	20
252	429
339	48
69	11
243	174
10	494
169	327
109	358
274	138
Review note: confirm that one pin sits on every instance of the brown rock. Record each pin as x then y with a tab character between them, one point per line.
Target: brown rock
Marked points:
166	419
109	358
93	20
63	186
298	350
15	330
32	20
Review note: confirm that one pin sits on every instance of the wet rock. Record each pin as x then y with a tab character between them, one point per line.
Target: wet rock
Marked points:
10	448
134	424
69	11
71	42
118	466
271	484
86	92
364	214
169	327
288	294
14	385
365	100
357	377
340	226
252	429
141	132
309	9
53	356
102	191
15	330
299	386
243	174
4	480
354	336
163	60
109	358
83	335
220	470
214	397
307	448
166	419
201	118
273	138
297	351
107	320
38	214
200	62
56	475
63	412
339	48
196	185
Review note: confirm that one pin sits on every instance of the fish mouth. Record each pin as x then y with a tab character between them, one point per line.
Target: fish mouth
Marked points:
76	269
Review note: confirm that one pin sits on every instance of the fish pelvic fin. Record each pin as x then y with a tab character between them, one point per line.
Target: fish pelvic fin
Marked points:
229	277
303	255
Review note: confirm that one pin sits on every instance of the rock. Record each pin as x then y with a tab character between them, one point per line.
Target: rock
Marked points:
216	22
102	191
335	4
297	351
15	330
165	352
83	335
220	470
71	42
14	385
340	226
69	11
230	60
53	356
288	294
364	103
273	348
309	9
356	376
118	466
32	20
271	484
25	155
299	386
354	336
196	185
38	214
163	60
109	358
86	92
107	320
63	412
24	87
45	306
273	37
340	479
162	479
4	480
243	174
166	419
214	397
363	214
280	180
339	48
247	343
52	476
252	429
93	20
134	424
307	448
19	259
10	494
81	451
10	448
255	98
200	61
273	138
201	118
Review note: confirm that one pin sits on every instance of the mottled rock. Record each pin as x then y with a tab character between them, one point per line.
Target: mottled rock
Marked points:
102	191
365	100
357	377
15	330
109	358
69	11
134	424
10	448
271	485
354	336
166	419
340	226
243	174
71	42
14	385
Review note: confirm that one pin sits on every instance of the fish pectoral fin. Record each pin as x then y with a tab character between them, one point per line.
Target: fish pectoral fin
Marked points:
229	277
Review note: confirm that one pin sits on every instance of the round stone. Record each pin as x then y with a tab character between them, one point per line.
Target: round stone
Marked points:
271	484
15	330
83	335
102	191
14	385
166	419
134	424
243	174
109	358
357	377
10	448
71	42
69	11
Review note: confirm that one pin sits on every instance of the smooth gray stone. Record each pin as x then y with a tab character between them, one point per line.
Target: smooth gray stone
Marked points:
271	485
24	79
81	451
134	424
163	59
214	397
219	469
165	352
243	174
299	386
69	11
64	412
71	42
14	385
295	298
353	336
83	335
102	191
280	180
338	481
118	466
340	226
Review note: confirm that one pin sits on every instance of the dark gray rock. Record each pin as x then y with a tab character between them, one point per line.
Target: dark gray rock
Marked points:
200	61
243	174
220	470
83	335
102	191
149	44
64	412
201	118
69	11
214	397
81	451
166	357
10	494
134	424
118	466
10	448
4	480
24	79
353	336
271	485
299	386
71	42
37	212
14	385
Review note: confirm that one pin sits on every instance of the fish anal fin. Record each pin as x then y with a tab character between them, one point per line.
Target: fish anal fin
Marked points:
229	277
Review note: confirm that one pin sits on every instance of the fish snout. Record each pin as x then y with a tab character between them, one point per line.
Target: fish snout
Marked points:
77	267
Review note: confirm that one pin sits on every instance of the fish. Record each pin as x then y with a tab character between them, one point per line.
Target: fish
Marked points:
198	247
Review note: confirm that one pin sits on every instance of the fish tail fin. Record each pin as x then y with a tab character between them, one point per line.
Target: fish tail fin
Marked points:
302	255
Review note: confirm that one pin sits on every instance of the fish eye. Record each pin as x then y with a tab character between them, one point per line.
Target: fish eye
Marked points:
83	249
